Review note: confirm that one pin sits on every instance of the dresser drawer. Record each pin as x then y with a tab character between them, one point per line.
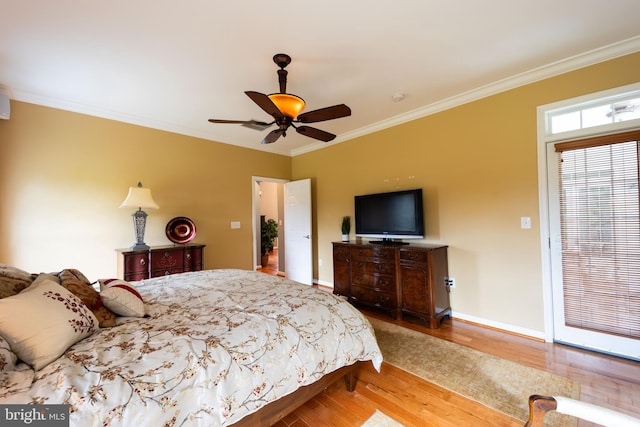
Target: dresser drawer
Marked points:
373	267
193	259
373	297
166	271
341	251
132	277
374	251
136	262
413	256
166	259
374	281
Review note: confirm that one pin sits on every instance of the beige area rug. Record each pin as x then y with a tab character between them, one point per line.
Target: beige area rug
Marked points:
380	419
497	383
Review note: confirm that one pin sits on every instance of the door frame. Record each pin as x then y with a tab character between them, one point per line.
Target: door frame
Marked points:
545	224
255	216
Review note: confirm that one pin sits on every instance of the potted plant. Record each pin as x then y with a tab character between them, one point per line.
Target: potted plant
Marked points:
345	227
269	233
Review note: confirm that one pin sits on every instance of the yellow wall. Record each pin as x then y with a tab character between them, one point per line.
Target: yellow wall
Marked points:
63	176
477	165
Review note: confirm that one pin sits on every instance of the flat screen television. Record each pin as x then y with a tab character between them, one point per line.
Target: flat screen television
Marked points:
388	216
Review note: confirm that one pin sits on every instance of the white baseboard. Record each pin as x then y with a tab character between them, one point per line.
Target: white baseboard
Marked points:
323	283
478	320
499	325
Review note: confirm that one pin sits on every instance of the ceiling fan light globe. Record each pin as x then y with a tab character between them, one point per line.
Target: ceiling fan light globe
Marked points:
289	105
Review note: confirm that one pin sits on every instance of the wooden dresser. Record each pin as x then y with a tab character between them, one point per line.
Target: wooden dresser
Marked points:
159	261
398	279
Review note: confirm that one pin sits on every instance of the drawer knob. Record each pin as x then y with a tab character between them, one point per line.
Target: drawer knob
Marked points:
167	254
188	256
143	261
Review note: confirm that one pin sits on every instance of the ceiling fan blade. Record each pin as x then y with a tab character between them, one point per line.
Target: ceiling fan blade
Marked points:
240	122
327	113
273	136
315	133
265	103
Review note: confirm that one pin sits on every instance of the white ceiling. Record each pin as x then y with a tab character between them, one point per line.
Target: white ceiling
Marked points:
171	65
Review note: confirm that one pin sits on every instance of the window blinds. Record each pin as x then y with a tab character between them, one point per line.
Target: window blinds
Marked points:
600	233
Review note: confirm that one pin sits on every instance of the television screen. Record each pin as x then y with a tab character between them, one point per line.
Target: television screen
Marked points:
392	215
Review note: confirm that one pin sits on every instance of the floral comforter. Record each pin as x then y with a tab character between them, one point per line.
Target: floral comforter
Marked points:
217	345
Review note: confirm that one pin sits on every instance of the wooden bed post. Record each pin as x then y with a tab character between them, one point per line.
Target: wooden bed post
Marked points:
350	381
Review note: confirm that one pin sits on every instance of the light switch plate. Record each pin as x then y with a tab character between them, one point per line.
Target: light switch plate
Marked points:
525	222
235	224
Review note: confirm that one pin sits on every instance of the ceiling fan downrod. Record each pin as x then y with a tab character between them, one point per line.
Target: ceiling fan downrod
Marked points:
282	60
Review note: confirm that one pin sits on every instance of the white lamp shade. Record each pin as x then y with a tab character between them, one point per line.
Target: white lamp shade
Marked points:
139	197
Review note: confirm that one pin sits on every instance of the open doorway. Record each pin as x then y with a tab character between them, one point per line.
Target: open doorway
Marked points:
290	203
268	203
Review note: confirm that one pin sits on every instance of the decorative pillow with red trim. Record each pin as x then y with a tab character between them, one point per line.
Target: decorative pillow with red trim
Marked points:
121	297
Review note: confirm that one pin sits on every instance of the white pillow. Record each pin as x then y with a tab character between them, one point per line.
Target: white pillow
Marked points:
43	321
121	297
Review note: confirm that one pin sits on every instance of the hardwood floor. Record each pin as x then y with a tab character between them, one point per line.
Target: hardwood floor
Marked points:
605	380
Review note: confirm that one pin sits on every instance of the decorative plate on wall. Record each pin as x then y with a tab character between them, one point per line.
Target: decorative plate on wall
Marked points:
181	230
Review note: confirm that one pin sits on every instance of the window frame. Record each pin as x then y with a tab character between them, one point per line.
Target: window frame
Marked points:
544	139
586	102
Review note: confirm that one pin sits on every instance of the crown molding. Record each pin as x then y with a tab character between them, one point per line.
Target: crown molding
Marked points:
572	63
576	62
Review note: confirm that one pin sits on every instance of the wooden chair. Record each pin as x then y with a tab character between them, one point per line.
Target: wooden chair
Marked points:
540	405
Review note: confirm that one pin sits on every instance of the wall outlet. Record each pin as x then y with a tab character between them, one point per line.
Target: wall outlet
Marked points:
451	282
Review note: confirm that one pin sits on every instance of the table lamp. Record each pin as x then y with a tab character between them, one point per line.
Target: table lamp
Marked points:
139	197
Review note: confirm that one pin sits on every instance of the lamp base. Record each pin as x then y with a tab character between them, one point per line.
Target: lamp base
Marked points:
139	224
139	246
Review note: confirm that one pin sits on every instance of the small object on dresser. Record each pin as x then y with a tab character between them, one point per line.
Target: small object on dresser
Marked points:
181	230
345	228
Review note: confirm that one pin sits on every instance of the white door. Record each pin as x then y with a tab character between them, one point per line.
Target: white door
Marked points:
297	231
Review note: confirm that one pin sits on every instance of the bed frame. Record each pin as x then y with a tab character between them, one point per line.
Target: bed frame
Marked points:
275	411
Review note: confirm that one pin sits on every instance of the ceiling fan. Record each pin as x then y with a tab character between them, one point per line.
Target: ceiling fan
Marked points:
285	109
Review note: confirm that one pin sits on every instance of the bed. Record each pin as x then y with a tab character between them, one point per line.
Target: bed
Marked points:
215	348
